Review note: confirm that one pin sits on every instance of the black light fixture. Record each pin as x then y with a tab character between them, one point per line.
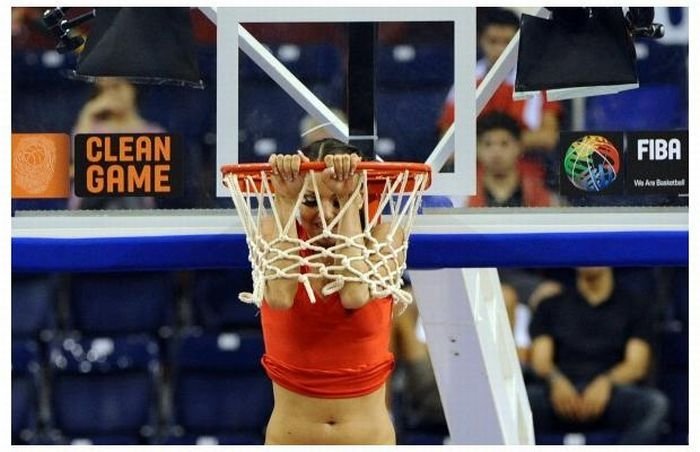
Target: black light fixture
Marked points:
581	51
143	45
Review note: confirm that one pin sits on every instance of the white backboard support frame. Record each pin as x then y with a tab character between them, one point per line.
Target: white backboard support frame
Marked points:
231	36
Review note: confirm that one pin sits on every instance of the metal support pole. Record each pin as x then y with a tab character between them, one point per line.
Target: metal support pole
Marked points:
361	86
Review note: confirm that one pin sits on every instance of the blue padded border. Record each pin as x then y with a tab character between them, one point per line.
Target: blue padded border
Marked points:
640	248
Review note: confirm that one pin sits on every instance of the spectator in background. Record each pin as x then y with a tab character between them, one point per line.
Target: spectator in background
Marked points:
501	179
591	348
538	118
113	108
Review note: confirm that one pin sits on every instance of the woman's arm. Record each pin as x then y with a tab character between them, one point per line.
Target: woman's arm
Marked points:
288	182
353	295
635	365
340	177
381	234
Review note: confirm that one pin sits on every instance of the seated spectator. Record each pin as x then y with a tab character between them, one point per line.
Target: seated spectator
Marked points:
501	179
523	290
538	118
591	349
112	108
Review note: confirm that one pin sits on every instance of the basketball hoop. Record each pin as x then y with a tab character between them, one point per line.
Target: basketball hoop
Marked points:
391	188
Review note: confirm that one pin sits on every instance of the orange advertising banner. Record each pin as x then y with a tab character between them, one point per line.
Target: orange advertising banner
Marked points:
40	165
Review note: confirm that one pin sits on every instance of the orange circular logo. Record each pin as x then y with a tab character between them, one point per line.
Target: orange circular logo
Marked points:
34	163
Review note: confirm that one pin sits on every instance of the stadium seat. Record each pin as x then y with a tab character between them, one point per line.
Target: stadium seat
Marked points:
673	359
412	84
651	107
25	390
673	380
680	295
215	300
638	281
269	121
601	437
37	65
406	122
33	305
269	117
423	438
204	440
106	440
219	386
415	66
311	63
121	303
662	63
37	75
104	388
32	85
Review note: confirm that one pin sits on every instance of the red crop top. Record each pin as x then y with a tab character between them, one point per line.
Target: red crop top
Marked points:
324	350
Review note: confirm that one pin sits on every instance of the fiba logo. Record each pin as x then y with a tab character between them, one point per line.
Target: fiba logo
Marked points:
592	163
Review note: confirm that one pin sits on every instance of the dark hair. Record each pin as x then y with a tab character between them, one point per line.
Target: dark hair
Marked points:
498	121
96	90
495	16
317	150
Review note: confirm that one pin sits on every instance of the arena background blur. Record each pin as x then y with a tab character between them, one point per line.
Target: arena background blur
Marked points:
172	357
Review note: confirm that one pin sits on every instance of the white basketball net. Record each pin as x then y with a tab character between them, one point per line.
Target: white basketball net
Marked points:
256	201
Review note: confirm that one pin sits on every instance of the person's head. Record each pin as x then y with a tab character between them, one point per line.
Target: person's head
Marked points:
120	92
309	211
595	284
498	145
498	26
593	273
311	130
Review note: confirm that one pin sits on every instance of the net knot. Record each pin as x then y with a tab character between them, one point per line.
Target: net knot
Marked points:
332	287
304	280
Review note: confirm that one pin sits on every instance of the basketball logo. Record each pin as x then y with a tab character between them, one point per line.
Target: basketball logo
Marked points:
592	163
34	163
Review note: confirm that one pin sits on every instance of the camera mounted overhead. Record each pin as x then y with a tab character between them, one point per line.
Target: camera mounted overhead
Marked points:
61	27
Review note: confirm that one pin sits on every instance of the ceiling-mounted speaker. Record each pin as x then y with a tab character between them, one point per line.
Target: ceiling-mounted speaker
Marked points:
578	52
143	45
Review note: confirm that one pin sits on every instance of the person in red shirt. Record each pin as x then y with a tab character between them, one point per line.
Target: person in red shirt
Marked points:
537	117
501	180
329	361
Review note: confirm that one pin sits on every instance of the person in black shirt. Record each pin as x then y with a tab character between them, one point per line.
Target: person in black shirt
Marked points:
591	347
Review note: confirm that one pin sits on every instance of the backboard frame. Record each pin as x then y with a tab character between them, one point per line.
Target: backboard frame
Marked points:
461	182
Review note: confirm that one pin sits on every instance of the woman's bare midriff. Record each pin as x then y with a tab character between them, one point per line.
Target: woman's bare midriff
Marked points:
298	419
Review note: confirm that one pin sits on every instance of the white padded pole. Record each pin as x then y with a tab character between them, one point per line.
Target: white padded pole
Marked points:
473	354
